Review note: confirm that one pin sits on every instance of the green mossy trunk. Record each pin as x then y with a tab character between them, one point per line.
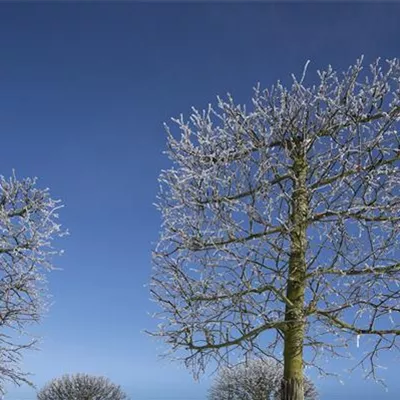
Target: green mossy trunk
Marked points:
292	383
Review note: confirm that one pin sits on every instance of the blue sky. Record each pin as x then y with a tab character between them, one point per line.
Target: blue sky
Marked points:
85	88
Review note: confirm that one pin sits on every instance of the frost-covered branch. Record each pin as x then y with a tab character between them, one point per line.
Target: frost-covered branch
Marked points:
256	379
28	224
284	216
81	387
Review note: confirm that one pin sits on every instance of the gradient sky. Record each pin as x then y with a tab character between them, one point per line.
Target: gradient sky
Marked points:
85	88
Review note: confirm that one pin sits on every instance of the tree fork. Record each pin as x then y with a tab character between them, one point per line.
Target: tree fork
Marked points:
292	383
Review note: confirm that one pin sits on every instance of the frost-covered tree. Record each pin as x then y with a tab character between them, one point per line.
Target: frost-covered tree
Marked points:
81	387
258	379
280	230
28	223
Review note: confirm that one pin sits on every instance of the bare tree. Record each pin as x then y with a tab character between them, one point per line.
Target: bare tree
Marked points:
28	223
81	387
281	225
258	379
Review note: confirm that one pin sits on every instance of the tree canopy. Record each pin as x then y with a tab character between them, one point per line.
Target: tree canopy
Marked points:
28	224
280	224
258	379
81	387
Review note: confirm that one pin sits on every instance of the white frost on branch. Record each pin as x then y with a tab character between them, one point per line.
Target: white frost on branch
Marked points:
256	379
28	224
81	387
221	264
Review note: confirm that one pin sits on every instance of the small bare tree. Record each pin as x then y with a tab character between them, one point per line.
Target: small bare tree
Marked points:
81	387
258	379
281	225
28	223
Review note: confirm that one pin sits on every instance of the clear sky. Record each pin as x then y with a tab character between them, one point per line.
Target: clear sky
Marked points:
85	88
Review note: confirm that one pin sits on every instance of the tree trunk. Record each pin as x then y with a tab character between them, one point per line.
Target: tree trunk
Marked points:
292	383
292	389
